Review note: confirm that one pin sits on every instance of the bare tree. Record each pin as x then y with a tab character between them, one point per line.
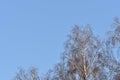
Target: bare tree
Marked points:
31	75
81	59
113	49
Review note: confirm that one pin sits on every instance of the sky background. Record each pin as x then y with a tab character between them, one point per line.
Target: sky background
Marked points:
33	32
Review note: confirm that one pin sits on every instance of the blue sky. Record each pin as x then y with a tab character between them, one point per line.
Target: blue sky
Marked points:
32	32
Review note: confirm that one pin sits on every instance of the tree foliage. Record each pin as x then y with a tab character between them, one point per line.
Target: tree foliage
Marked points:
86	57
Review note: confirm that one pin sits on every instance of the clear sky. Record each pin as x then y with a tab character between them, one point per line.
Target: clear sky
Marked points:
32	32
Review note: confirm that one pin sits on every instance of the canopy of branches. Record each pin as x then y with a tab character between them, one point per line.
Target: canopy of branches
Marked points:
86	57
